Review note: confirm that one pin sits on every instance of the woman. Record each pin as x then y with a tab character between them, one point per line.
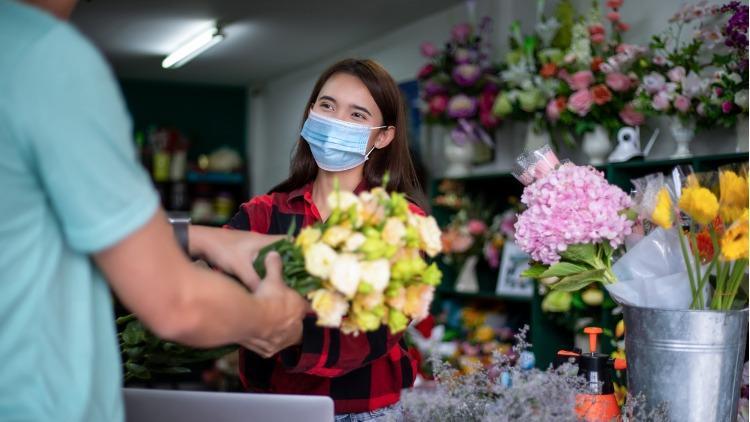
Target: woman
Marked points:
354	131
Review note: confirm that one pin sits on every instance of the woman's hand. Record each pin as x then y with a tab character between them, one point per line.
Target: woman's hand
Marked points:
283	312
232	251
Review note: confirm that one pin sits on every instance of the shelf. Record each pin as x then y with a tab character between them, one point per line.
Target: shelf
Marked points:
481	295
215	178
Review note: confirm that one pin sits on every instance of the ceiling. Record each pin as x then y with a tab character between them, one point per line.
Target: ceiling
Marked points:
264	38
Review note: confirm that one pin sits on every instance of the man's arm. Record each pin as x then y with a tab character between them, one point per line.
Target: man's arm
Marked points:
190	305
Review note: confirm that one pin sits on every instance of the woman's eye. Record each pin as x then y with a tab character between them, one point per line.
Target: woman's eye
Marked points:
326	106
359	116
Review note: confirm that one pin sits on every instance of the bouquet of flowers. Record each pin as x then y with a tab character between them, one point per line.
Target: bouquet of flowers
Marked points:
361	268
530	67
600	77
459	84
675	82
710	217
463	237
573	222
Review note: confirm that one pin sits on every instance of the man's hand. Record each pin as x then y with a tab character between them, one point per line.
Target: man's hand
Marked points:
232	251
284	310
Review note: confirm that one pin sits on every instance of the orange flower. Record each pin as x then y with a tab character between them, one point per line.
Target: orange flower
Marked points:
601	94
705	246
548	70
596	62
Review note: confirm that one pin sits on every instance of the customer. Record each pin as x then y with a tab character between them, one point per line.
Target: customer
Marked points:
78	212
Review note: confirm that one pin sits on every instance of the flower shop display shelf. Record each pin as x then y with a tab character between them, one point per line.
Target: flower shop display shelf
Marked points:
549	336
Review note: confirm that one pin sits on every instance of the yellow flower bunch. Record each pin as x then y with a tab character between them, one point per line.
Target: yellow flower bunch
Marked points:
365	265
734	195
734	242
698	202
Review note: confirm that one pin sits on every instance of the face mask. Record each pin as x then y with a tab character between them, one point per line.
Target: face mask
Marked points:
336	145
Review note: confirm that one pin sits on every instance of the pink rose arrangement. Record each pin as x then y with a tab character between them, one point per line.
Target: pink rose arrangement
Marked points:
574	220
599	77
458	84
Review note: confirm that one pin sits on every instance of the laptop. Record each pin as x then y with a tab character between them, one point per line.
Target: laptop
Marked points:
151	405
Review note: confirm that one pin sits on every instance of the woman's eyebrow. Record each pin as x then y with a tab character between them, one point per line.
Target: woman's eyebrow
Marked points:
360	108
326	97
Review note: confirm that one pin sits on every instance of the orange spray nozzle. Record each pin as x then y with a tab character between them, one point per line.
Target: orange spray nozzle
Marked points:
592	332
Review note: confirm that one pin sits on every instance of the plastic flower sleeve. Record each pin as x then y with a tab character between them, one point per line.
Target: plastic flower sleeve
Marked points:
534	165
652	274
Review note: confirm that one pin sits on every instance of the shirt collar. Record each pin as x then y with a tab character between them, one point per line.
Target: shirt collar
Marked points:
305	191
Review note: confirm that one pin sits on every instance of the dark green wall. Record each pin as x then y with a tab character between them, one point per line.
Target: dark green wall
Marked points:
210	115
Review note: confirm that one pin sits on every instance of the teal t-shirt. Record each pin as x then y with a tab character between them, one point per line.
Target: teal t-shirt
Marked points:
70	186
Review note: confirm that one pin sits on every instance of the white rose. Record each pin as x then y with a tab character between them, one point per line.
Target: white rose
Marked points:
342	200
376	273
354	242
330	307
336	235
429	233
394	231
418	299
734	77
345	274
741	99
319	259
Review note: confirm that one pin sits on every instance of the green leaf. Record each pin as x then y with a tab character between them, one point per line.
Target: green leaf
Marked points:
173	370
138	371
133	333
576	282
581	253
563	269
535	270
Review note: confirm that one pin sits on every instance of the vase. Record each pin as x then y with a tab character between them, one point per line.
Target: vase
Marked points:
683	133
467	278
459	157
742	133
596	145
690	360
536	138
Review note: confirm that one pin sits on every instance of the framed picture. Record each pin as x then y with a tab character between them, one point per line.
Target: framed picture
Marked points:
510	283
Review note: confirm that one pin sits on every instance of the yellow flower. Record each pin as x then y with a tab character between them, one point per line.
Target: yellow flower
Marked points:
408	269
734	242
418	300
394	231
336	235
432	275
329	306
621	392
620	328
484	334
307	237
699	203
319	259
366	320
345	274
376	273
354	242
592	296
472	317
733	195
663	212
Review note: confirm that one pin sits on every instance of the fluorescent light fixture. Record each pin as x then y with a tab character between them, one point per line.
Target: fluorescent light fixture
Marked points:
192	48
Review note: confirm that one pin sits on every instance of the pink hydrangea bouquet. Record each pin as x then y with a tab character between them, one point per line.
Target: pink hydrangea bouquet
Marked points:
573	222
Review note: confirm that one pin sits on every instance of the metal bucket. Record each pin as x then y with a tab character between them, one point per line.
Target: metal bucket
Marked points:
692	360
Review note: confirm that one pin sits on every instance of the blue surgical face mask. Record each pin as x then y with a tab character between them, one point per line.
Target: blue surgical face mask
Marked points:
337	145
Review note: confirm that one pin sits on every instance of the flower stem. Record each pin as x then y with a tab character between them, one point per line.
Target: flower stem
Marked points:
738	272
683	248
697	258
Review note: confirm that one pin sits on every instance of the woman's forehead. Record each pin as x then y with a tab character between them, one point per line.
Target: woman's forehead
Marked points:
348	90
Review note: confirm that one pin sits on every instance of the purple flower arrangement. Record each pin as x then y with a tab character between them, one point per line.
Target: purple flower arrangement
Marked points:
458	85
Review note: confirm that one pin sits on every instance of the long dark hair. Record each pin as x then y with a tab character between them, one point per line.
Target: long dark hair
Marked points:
394	159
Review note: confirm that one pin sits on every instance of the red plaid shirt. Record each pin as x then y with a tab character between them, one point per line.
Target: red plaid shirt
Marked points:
360	373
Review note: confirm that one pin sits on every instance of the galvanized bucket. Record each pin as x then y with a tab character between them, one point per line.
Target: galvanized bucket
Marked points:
692	360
